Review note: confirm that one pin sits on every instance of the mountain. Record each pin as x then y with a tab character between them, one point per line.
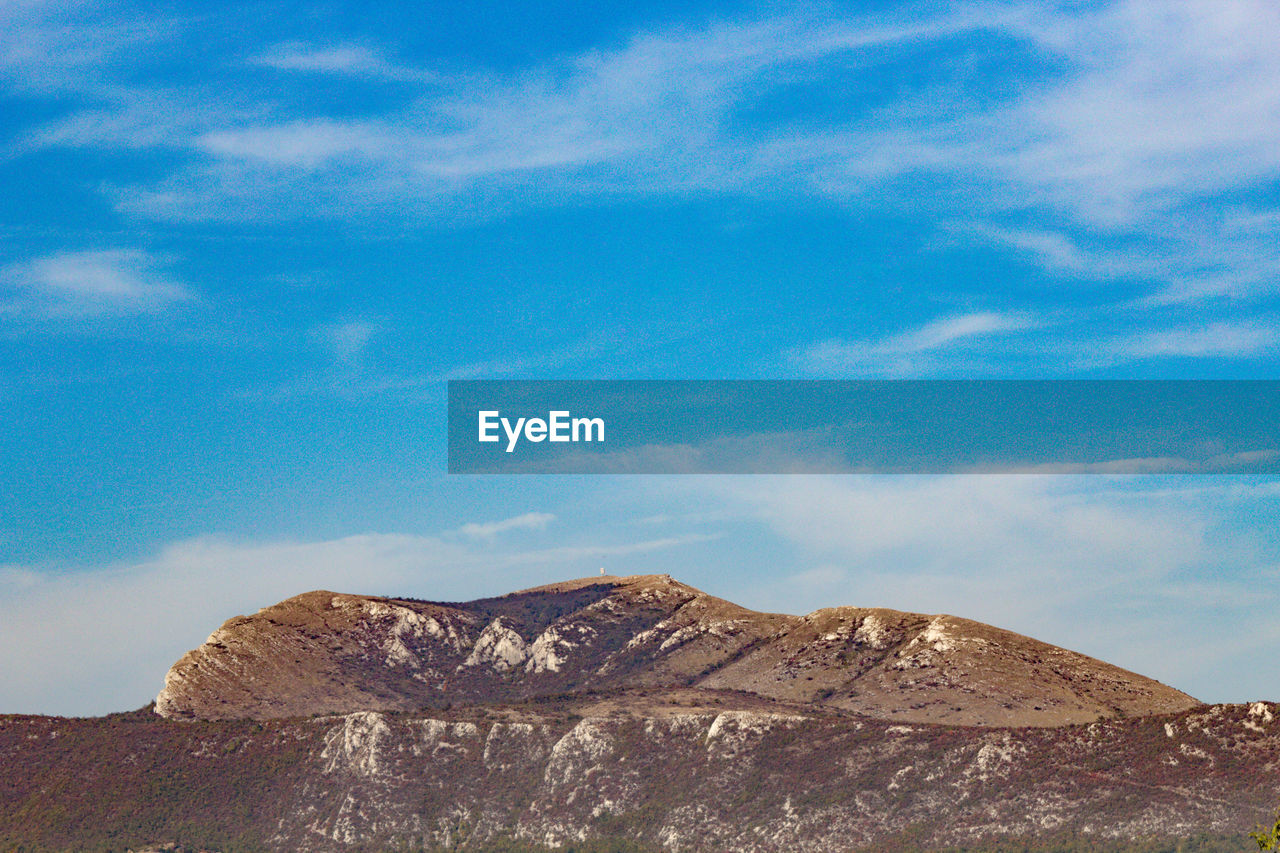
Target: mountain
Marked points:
326	653
637	773
635	715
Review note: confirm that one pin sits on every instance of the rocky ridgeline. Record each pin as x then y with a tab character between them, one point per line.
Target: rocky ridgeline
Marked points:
762	781
666	779
324	652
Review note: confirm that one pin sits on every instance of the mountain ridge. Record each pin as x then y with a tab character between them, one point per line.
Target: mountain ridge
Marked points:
327	652
638	714
556	774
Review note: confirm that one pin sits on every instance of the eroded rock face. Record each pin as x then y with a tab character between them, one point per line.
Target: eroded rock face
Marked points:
766	781
701	779
498	646
323	652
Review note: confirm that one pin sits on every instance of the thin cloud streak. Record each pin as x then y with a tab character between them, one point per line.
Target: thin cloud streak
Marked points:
961	346
79	285
355	60
907	353
1213	340
1234	340
489	529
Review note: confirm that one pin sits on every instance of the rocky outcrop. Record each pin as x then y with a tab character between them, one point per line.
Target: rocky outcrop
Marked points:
671	778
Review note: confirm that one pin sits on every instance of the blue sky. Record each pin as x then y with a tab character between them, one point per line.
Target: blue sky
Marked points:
242	249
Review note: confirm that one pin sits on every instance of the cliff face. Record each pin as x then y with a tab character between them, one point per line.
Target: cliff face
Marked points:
323	652
663	776
752	780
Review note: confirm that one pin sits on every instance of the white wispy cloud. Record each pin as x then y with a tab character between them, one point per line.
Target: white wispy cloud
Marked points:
357	60
1224	340
1215	339
1053	250
579	553
302	145
1063	559
1171	102
1230	256
908	353
1163	107
643	117
1220	463
60	48
125	118
87	284
1069	343
489	529
1025	530
347	340
92	658
949	330
1124	124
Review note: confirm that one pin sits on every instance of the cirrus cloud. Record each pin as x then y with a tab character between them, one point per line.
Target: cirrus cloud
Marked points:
70	285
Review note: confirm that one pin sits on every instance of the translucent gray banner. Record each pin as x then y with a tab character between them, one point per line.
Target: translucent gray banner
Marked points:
888	427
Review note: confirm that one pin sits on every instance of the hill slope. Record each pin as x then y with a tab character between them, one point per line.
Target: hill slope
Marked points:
323	652
663	778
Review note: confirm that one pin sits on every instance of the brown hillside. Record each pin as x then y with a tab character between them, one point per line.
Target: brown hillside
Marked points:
324	652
